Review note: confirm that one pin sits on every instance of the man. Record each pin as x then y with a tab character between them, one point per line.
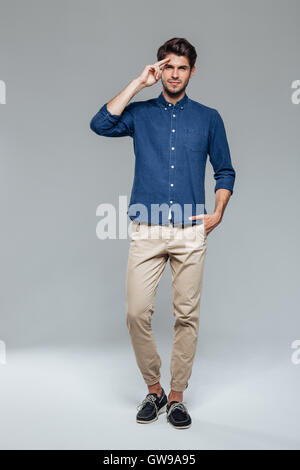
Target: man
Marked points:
172	137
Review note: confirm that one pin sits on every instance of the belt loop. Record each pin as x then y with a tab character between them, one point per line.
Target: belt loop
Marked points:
137	223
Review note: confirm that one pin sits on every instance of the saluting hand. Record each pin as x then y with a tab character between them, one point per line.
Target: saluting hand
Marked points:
152	73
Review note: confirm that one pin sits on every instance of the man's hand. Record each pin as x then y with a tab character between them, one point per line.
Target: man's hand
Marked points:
152	73
210	221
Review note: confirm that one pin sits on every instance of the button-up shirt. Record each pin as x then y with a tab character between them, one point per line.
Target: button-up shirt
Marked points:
171	145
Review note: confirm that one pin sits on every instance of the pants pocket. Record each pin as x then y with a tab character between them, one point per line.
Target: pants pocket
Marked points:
200	230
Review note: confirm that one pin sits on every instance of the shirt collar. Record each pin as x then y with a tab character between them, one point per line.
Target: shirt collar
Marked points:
181	103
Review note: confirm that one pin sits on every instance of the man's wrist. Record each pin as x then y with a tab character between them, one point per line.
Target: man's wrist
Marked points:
218	214
137	84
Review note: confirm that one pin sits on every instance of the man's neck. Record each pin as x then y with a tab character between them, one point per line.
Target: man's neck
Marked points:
173	98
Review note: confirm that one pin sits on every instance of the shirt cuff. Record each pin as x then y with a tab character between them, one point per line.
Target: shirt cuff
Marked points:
108	115
222	185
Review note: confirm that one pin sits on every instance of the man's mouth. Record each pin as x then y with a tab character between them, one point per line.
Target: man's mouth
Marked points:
175	83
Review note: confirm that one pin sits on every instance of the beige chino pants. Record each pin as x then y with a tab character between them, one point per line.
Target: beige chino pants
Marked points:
150	248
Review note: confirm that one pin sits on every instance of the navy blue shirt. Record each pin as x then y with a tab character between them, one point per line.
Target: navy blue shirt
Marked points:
171	145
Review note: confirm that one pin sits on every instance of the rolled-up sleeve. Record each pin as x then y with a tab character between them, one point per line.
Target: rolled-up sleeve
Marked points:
113	125
219	155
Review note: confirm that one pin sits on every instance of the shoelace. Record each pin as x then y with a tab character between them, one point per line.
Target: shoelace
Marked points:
179	405
148	399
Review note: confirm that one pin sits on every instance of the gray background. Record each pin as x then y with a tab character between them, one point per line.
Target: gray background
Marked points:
63	289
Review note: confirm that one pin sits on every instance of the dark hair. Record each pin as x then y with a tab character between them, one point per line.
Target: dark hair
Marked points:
179	46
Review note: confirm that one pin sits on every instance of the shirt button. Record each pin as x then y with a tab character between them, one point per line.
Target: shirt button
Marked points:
172	184
166	108
174	115
170	104
172	166
173	148
173	130
171	202
181	107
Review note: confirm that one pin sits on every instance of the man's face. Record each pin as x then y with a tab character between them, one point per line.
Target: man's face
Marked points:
176	74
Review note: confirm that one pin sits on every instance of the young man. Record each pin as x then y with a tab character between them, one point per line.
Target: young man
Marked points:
172	135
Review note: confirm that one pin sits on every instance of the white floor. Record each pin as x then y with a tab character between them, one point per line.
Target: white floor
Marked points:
86	399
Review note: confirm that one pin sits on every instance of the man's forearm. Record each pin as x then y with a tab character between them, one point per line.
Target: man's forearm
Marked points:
222	198
119	102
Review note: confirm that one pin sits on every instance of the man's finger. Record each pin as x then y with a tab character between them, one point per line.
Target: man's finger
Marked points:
196	217
162	61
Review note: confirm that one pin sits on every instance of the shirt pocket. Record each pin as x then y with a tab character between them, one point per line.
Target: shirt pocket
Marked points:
195	140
